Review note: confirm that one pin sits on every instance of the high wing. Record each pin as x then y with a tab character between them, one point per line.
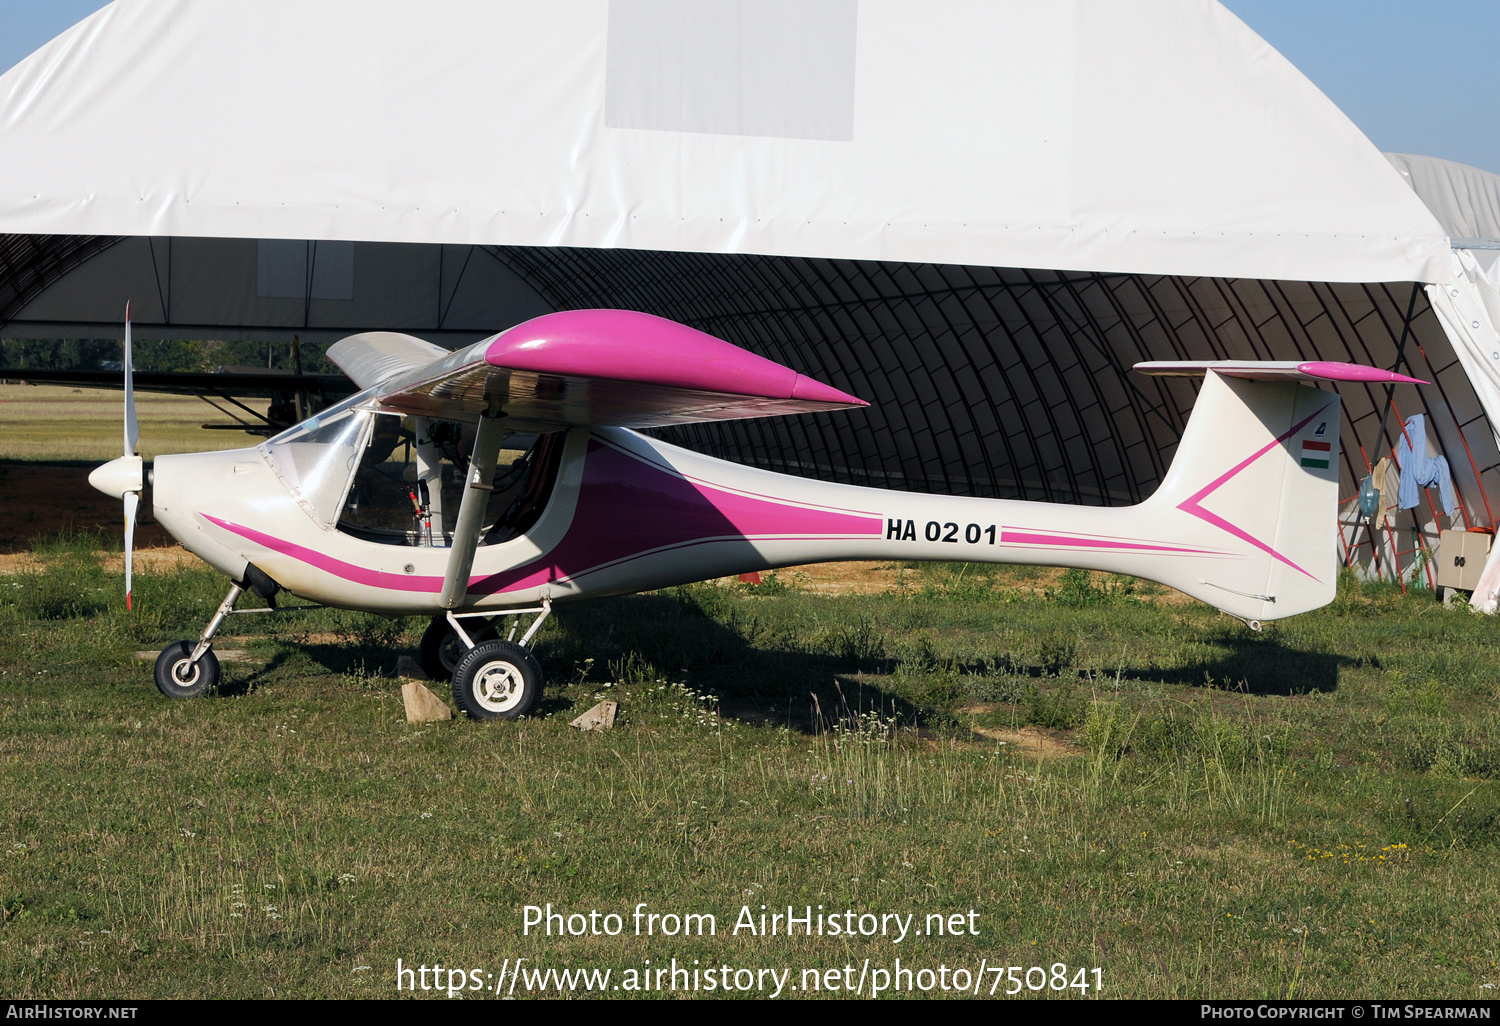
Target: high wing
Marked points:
374	356
598	367
1275	370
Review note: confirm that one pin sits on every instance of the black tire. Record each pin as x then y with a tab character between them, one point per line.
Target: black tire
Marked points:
442	649
177	678
497	680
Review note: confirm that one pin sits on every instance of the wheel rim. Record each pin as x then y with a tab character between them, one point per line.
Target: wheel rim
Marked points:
185	673
499	686
451	652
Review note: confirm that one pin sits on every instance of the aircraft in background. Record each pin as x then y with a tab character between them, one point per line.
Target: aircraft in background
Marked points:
483	486
292	394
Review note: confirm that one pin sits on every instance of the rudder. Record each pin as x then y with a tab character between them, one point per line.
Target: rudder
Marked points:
1255	480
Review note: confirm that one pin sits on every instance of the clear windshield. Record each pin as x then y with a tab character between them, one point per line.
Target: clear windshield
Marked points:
316	459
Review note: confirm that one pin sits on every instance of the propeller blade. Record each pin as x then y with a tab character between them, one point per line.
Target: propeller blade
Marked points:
132	500
132	428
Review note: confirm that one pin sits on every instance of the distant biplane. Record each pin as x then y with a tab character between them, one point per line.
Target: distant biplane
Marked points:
501	479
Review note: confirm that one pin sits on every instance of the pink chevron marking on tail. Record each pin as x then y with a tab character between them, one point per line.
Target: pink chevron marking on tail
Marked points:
1192	503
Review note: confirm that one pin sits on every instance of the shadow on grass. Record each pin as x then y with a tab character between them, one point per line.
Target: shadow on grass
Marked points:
761	675
640	638
1256	666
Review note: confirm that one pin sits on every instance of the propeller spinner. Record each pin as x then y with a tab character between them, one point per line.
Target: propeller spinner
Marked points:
124	478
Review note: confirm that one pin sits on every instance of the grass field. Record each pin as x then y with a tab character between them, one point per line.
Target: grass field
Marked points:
1194	809
50	422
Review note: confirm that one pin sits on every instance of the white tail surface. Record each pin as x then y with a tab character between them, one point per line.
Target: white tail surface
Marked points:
1255	483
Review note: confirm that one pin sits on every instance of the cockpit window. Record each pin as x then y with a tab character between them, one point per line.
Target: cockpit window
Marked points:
316	459
409	483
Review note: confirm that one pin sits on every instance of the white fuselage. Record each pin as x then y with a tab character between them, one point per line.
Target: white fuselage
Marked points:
629	513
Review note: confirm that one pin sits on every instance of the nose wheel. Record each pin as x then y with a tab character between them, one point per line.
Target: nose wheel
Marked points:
179	676
186	669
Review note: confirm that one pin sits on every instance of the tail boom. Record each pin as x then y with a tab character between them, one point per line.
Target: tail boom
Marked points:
1244	520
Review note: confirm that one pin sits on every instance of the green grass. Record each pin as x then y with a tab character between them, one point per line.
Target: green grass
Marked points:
1306	812
55	423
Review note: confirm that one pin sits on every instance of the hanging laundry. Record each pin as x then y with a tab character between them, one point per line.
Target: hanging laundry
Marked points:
1387	478
1418	470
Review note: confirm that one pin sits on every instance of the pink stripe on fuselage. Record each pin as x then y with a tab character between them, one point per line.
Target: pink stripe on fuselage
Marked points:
337	567
1009	537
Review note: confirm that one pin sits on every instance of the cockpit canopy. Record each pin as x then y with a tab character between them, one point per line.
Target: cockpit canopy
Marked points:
399	480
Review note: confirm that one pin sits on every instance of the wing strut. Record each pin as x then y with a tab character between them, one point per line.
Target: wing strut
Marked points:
471	509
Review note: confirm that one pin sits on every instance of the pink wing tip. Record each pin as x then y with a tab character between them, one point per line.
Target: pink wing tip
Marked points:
127	602
815	391
1334	371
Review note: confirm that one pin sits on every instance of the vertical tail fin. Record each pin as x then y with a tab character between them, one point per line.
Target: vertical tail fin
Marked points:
1255	485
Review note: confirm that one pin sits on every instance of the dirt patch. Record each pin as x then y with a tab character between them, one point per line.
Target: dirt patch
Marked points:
164	560
853	578
44	500
1033	742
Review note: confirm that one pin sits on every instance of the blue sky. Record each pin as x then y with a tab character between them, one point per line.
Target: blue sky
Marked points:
1415	75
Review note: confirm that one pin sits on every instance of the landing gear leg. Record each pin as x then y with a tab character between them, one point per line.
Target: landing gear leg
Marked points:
185	669
496	679
225	608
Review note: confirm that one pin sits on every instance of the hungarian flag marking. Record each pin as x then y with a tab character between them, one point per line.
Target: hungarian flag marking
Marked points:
1316	454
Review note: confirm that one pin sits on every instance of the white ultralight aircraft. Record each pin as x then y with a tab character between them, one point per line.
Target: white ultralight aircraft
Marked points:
498	480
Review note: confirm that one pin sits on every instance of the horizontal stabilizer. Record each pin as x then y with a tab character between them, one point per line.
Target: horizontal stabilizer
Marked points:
607	368
375	356
1276	370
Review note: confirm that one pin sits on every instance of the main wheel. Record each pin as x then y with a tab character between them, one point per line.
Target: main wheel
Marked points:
442	649
178	677
497	680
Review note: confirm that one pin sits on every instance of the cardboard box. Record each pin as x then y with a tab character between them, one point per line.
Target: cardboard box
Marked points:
1460	559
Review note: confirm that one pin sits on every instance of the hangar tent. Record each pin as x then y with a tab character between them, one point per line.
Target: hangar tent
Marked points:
974	213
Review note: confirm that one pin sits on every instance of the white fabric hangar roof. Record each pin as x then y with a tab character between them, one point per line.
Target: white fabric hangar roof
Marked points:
1148	136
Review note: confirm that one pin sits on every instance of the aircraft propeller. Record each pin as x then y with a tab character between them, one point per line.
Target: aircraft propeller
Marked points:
123	478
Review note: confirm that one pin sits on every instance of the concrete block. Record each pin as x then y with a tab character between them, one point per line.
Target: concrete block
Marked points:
600	717
422	706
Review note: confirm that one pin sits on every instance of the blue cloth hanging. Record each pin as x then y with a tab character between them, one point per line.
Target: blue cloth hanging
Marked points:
1418	470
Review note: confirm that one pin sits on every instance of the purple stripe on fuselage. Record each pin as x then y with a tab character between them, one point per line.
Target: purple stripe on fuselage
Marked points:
627	508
